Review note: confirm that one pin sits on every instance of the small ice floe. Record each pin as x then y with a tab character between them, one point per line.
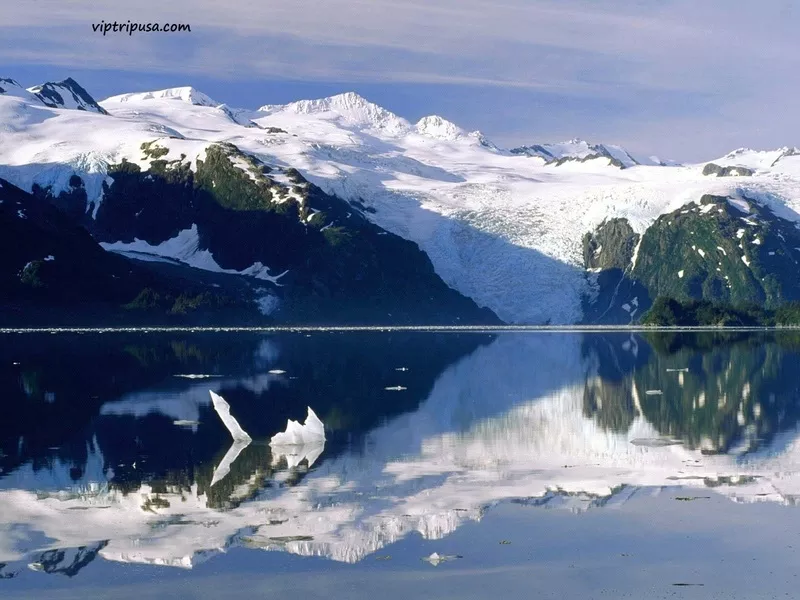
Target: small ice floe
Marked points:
655	442
276	372
436	559
195	375
654	392
310	432
224	411
240	438
186	423
395	388
299	442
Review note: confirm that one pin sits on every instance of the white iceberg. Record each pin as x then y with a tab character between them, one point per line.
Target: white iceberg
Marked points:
436	559
240	438
224	411
310	432
299	442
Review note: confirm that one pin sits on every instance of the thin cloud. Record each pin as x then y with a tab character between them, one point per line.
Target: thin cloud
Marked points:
646	73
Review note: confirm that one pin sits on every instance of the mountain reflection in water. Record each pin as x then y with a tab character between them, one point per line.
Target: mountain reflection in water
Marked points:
94	464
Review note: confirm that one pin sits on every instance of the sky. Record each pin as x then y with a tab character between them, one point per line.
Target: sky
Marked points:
679	79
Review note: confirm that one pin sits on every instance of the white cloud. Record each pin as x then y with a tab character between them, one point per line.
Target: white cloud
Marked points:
731	63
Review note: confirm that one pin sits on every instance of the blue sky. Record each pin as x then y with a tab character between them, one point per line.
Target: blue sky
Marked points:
674	78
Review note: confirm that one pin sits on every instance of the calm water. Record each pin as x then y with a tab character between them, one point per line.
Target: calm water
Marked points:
533	465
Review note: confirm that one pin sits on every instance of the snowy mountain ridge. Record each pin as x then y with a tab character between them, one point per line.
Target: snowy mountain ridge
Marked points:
66	94
349	107
185	94
492	221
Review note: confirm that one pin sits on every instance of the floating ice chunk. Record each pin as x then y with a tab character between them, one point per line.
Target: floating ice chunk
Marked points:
224	411
655	442
310	432
435	559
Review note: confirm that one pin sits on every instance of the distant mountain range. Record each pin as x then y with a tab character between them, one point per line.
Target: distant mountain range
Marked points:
336	210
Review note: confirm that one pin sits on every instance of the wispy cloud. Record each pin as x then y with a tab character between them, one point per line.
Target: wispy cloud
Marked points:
635	64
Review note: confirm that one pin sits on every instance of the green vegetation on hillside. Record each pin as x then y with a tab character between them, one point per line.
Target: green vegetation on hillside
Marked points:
669	312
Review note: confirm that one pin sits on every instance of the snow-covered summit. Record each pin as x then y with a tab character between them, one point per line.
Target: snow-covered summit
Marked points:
186	94
437	127
7	84
66	94
350	107
577	149
756	159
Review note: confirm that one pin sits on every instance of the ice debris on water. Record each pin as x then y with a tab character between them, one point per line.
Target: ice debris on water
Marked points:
655	442
310	432
299	442
240	438
435	559
224	411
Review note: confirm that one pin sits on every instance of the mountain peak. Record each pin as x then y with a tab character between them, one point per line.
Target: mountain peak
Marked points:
65	94
12	88
578	149
437	127
186	94
351	107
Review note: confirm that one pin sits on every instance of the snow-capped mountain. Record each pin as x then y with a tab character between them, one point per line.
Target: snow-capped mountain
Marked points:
502	227
184	94
66	94
578	150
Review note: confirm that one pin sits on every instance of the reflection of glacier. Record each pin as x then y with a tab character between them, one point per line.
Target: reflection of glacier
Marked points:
499	425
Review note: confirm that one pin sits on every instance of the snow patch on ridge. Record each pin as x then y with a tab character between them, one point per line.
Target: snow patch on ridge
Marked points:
185	247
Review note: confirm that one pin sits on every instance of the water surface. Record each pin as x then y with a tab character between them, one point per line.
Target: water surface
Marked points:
538	464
